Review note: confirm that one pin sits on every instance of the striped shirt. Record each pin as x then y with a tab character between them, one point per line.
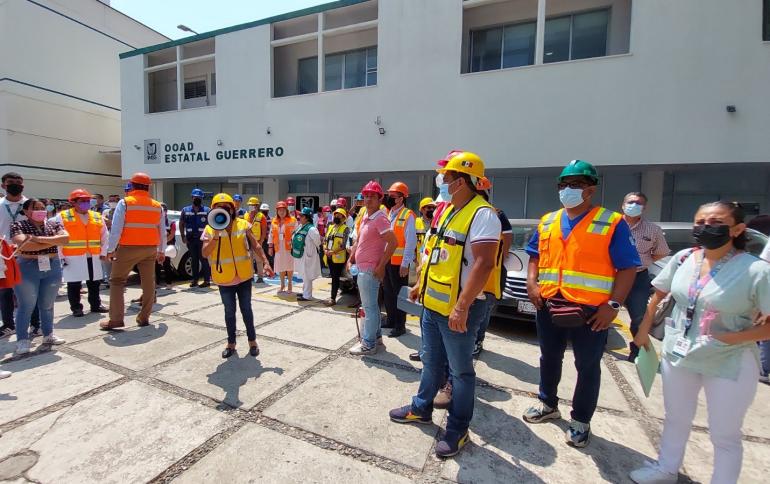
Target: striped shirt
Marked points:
649	242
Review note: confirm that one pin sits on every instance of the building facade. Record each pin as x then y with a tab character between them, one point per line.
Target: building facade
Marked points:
663	96
60	93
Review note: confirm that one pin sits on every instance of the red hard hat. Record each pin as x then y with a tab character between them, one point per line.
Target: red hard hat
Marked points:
442	163
79	193
141	178
281	205
399	187
372	187
342	202
327	208
291	201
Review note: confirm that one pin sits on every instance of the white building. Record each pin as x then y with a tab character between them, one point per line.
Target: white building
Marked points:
665	96
60	93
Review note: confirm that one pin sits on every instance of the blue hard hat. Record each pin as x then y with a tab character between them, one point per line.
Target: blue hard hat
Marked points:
128	187
237	197
197	193
360	196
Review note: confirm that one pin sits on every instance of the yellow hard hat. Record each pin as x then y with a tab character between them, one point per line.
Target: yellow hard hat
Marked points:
341	211
253	201
465	162
425	202
222	198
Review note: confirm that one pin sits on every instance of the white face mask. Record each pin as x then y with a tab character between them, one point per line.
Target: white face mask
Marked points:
633	209
571	197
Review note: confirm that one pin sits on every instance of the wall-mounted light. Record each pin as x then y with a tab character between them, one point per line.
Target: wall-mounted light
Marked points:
730	108
268	130
220	142
137	147
382	130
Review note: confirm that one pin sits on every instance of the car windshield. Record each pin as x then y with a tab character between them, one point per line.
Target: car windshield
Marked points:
521	235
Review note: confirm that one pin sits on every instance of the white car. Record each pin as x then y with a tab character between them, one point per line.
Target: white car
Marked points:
181	263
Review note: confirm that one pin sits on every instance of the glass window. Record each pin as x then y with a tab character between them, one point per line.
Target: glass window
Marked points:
355	69
194	89
766	21
253	188
307	75
519	45
486	47
213	83
162	89
297	186
589	35
371	66
333	72
508	195
318	186
557	35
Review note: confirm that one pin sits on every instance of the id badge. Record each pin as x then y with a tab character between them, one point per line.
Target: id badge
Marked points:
280	235
681	347
43	263
434	255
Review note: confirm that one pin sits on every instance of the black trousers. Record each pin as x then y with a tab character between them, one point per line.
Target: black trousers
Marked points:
335	269
391	285
168	272
199	262
7	306
73	290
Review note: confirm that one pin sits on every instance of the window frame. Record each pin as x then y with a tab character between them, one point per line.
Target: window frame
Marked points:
502	28
299	61
366	70
766	21
572	16
179	63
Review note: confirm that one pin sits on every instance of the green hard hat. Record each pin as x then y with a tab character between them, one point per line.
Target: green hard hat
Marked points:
579	168
307	212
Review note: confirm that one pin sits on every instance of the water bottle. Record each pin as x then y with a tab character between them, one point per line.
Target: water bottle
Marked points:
354	270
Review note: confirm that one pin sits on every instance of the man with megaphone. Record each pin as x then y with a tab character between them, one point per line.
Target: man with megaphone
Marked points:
230	245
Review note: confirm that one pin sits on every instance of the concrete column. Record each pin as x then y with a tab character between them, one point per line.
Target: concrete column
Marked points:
652	186
320	82
540	32
270	192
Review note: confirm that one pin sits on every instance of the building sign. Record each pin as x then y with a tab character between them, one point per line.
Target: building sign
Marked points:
185	152
308	201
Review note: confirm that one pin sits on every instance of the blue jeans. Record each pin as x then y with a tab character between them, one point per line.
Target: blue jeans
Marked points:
588	347
36	288
368	289
764	357
441	345
491	303
228	295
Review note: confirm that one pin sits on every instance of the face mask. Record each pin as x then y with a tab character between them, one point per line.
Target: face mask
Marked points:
265	212
37	215
389	202
84	206
338	220
50	208
443	191
439	180
113	204
14	189
252	208
571	197
429	214
92	203
633	209
711	236
197	202
291	208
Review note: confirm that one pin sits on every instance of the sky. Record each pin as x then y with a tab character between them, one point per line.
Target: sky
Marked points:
204	15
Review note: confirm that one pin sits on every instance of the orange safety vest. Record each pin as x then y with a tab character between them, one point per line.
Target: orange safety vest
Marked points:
84	238
580	268
399	229
142	220
288	231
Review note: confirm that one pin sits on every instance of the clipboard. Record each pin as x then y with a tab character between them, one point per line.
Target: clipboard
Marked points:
647	364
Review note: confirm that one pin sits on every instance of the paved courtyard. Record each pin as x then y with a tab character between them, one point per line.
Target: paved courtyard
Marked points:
159	403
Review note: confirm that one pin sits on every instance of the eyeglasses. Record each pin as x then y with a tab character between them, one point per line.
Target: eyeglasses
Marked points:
574	184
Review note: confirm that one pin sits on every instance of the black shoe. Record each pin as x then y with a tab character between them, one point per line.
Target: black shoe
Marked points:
415	356
477	349
194	284
260	280
385	324
633	352
228	352
254	350
205	284
100	309
302	298
78	313
396	332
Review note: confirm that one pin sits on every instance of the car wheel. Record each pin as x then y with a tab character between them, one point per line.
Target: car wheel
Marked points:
185	267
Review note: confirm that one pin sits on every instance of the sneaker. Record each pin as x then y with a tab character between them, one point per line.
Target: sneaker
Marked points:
541	413
4	374
444	397
764	379
6	331
578	434
52	339
360	349
329	302
405	415
651	473
450	445
260	280
477	349
22	347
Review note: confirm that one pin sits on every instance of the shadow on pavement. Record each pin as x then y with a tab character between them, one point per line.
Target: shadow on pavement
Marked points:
136	337
235	372
71	322
513	366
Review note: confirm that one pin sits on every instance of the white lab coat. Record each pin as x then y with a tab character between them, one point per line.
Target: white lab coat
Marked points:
309	266
75	268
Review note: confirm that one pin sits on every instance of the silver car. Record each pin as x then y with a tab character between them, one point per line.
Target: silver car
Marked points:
181	263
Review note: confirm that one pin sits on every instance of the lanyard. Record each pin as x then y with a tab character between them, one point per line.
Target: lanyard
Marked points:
13	216
698	283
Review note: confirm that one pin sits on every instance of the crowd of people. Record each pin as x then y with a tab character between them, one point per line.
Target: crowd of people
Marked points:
585	263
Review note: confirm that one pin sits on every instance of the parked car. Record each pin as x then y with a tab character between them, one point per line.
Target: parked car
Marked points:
515	303
181	263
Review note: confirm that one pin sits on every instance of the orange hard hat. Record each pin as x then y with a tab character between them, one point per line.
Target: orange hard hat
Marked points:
483	184
372	187
79	193
281	204
141	179
291	200
342	202
399	187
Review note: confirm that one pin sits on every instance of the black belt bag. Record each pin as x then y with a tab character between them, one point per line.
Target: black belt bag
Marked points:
567	314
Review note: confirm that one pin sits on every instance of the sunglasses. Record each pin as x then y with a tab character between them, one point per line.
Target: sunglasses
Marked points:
574	184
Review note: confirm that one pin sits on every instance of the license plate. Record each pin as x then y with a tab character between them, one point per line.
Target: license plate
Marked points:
526	307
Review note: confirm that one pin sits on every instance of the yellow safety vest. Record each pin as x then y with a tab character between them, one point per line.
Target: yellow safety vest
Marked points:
231	258
441	274
256	224
335	238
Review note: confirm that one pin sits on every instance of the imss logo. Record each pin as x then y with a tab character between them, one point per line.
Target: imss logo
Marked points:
151	148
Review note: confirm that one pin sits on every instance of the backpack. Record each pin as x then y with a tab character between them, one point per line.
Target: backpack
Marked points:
298	241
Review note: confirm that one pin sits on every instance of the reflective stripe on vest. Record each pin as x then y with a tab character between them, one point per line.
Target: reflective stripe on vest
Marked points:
85	238
587	282
335	237
289	225
230	257
602	221
142	222
399	229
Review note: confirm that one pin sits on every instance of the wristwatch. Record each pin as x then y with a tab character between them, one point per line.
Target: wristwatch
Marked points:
614	305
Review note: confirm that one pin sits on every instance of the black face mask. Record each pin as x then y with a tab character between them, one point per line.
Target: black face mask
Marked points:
711	236
429	214
14	189
389	201
337	221
197	202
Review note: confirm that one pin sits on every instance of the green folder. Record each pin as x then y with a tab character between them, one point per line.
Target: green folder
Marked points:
647	364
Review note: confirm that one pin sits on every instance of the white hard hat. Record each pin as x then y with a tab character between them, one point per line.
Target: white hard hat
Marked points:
264	206
171	251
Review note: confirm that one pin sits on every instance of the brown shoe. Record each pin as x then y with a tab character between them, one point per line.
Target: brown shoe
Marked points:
110	325
444	397
329	302
141	323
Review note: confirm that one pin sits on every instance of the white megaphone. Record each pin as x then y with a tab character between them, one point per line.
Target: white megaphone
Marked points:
219	219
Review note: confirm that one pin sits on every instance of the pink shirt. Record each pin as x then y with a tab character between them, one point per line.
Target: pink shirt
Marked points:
371	244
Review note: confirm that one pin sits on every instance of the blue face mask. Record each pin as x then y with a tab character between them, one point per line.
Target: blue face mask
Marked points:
633	209
443	191
92	203
49	208
571	197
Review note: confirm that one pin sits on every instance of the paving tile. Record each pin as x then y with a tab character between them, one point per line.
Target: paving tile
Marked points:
42	380
358	395
313	328
184	301
756	423
75	329
284	460
699	460
114	437
397	350
241	380
140	348
515	364
263	312
505	449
